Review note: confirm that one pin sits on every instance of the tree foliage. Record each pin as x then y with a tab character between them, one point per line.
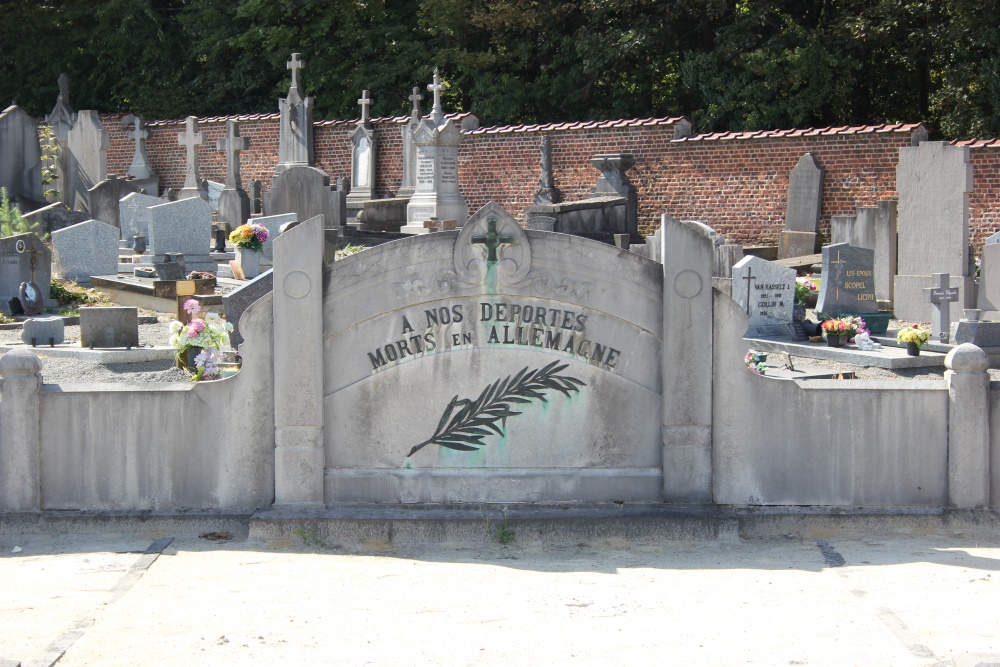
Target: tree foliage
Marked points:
743	64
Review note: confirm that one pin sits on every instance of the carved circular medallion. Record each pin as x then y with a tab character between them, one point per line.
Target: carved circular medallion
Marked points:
687	284
297	284
19	246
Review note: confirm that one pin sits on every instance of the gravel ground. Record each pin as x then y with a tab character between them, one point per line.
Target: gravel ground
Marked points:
68	371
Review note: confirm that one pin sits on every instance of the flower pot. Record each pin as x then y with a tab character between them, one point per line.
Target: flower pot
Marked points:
249	262
835	340
185	358
913	349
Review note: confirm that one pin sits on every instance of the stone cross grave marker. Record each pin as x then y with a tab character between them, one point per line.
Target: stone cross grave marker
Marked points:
848	286
437	113
406	187
191	138
140	167
492	240
416	98
295	65
362	155
766	293
941	296
365	102
232	145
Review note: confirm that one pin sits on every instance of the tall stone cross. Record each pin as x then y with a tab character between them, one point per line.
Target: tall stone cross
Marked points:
941	295
492	240
139	132
416	98
436	112
295	64
140	161
191	138
749	278
232	145
365	102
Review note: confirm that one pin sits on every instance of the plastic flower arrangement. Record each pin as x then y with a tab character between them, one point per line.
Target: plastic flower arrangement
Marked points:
913	334
842	326
979	266
803	288
249	236
755	361
210	332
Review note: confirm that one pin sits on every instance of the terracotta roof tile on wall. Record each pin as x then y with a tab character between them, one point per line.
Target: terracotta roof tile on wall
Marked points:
399	120
804	132
582	125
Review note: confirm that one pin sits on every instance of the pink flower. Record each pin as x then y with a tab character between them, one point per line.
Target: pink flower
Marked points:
191	306
195	327
261	233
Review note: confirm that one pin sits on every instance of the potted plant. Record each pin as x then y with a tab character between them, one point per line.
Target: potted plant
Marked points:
804	288
249	240
199	342
914	337
839	330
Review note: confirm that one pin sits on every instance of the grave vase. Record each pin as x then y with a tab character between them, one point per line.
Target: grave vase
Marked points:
913	349
249	262
185	358
835	340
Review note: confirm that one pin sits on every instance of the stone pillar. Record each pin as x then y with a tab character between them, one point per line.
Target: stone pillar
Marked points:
299	459
20	450
686	364
968	427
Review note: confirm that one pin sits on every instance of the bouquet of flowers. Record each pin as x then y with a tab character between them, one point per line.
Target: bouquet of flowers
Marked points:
843	326
913	334
210	332
803	288
249	236
755	361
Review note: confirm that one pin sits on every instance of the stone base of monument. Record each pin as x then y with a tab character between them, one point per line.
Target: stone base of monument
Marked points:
159	295
889	357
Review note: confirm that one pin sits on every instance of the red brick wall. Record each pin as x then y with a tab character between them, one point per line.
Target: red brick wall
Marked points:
737	183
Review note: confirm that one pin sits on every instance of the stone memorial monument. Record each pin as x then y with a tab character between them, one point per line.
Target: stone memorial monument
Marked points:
84	250
191	138
363	149
20	155
766	292
141	170
436	194
848	286
234	202
805	199
183	226
61	119
24	260
133	215
105	198
988	294
547	192
87	158
408	185
295	133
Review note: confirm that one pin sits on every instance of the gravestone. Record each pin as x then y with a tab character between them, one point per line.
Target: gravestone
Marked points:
547	192
273	224
133	215
614	181
848	285
105	199
933	180
20	155
234	203
213	190
408	184
191	138
109	327
55	216
256	196
295	131
304	191
23	259
436	194
43	331
872	227
940	296
84	250
766	293
61	120
87	158
141	169
183	226
805	199
363	149
988	299
235	302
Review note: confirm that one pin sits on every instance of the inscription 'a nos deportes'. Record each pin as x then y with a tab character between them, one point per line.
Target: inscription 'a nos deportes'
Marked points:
495	324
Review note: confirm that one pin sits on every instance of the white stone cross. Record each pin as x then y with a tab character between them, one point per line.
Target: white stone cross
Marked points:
191	138
436	112
365	102
295	64
941	295
416	98
232	145
139	133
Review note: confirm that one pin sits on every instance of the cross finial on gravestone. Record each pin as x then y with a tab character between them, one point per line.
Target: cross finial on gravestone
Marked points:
365	102
436	112
941	295
492	240
139	132
416	98
295	64
232	145
749	277
191	138
63	81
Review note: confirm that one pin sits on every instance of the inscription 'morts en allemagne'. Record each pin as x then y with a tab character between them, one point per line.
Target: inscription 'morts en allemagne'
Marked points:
502	323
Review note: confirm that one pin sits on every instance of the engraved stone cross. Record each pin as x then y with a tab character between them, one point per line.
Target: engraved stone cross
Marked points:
295	64
749	278
941	296
365	102
492	240
416	98
191	138
232	145
436	112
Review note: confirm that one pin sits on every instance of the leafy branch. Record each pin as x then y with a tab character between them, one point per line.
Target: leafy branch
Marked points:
465	429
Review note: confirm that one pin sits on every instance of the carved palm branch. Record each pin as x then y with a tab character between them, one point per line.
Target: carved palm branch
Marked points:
465	422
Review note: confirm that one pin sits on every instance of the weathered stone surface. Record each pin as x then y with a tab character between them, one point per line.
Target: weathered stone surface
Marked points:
856	230
183	226
805	196
87	158
84	250
796	244
20	155
766	292
109	327
43	330
105	199
885	249
988	299
908	297
133	215
23	259
191	138
295	133
982	334
55	216
363	149
236	302
848	284
383	215
304	191
273	224
547	192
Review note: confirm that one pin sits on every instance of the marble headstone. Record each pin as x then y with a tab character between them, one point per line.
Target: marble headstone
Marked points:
20	155
409	147
84	250
848	285
363	148
766	293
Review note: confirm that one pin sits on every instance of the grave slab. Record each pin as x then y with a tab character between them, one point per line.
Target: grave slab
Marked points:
892	358
87	249
109	327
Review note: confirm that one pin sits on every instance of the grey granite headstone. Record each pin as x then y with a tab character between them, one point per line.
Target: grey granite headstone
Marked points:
805	195
84	250
256	195
20	155
989	282
766	293
295	129
133	215
237	301
848	285
304	191
169	271
109	327
23	258
44	331
992	239
181	226
273	223
104	199
55	216
87	159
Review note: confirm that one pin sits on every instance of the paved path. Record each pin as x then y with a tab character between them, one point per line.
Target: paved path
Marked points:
149	600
